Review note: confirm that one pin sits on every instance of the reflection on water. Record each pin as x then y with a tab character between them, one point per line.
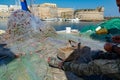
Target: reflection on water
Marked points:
59	25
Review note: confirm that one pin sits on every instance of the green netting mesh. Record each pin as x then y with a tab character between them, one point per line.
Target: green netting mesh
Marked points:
113	26
113	23
28	38
88	28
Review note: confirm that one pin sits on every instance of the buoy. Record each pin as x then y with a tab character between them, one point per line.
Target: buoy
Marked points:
108	47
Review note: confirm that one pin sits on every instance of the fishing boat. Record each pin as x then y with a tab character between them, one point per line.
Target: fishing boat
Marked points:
76	20
50	19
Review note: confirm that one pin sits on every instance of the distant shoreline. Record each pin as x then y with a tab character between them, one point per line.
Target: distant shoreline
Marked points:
80	20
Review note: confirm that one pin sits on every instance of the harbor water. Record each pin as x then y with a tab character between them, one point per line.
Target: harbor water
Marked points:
60	25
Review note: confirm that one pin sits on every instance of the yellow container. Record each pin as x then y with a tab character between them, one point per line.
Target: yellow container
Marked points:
102	31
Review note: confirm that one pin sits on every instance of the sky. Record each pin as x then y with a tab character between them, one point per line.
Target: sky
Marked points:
110	6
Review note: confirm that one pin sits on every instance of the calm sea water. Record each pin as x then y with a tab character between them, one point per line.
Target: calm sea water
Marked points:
60	25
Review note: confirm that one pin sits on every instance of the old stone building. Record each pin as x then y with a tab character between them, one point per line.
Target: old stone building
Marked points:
4	11
90	14
65	12
67	15
14	7
50	10
4	8
46	11
4	15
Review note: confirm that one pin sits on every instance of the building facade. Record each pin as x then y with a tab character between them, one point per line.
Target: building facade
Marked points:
65	12
90	14
4	12
46	11
4	8
14	7
50	10
67	15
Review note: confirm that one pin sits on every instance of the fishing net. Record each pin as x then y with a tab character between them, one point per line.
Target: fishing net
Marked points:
90	28
113	26
22	24
108	28
109	25
28	37
113	23
33	41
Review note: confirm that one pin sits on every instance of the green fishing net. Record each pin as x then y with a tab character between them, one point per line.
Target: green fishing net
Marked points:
112	26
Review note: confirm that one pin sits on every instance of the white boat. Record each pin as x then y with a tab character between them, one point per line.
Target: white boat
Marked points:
50	19
76	20
60	19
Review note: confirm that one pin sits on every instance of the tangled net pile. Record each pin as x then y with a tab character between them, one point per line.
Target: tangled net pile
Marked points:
22	24
29	38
